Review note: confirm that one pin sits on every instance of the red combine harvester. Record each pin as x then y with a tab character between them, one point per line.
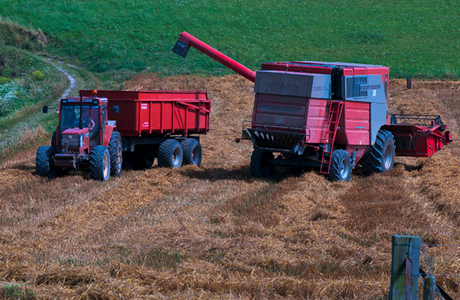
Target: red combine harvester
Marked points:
326	115
101	129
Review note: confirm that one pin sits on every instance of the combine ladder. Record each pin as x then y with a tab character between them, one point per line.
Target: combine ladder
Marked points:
328	138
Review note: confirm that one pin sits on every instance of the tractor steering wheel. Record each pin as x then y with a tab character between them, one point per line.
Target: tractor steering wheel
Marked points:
77	123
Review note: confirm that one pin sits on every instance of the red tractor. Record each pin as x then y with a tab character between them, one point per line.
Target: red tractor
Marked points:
84	139
326	115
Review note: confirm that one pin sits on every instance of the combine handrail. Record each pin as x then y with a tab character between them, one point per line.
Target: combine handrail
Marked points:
186	41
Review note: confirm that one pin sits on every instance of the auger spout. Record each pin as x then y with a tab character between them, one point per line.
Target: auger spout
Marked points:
186	41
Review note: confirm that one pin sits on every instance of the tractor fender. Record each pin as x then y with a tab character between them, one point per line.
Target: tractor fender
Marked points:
107	135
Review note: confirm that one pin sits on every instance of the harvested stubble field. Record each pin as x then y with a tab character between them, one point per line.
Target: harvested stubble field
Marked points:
216	232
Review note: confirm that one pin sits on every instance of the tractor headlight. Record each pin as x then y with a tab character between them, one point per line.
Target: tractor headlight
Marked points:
81	140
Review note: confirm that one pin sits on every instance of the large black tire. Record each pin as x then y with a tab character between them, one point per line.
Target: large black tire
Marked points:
170	154
53	142
380	157
43	165
116	154
192	152
99	163
260	166
340	166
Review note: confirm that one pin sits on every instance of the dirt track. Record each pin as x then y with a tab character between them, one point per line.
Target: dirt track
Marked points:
217	232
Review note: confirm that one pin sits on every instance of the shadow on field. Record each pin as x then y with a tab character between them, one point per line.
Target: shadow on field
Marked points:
243	174
214	174
24	167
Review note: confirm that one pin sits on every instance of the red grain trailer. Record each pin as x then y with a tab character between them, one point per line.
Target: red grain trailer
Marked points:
159	124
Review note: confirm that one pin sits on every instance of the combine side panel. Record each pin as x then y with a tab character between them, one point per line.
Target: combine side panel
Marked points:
316	119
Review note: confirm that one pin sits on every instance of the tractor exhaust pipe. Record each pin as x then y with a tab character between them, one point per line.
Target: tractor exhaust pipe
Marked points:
186	41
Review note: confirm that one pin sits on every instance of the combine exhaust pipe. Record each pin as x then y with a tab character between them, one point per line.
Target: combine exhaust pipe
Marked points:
186	41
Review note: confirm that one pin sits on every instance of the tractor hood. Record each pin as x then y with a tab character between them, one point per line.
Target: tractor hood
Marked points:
76	131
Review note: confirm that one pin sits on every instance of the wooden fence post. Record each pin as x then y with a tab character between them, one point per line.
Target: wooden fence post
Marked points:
429	288
405	252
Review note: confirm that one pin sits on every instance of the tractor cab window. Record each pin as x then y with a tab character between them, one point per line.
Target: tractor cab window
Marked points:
70	117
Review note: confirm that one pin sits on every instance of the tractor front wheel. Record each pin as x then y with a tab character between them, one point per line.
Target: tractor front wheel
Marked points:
192	152
381	156
43	165
115	150
99	163
340	166
170	154
260	165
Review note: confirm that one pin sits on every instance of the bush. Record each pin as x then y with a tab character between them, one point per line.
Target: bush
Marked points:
4	80
8	95
37	75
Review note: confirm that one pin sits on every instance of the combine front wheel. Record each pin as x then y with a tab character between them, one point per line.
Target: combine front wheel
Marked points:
99	163
260	166
381	156
340	166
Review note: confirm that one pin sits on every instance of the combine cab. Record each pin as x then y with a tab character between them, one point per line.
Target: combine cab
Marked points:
325	115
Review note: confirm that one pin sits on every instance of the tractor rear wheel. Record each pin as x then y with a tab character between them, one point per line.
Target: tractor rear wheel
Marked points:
43	165
260	166
380	157
340	166
116	156
99	163
192	152
170	154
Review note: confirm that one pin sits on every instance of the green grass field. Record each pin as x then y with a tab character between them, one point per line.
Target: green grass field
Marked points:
419	38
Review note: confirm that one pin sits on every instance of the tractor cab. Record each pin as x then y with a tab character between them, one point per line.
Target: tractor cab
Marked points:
81	124
84	139
90	116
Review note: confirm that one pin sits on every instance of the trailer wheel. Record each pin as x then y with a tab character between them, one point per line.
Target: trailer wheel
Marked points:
43	165
116	155
260	166
99	163
170	154
340	166
192	152
381	156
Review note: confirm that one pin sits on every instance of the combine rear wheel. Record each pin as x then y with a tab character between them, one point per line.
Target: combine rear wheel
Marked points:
192	152
340	166
43	165
381	156
170	154
260	166
99	163
115	150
